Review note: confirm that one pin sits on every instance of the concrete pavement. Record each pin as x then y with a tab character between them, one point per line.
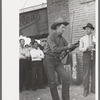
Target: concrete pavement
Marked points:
44	94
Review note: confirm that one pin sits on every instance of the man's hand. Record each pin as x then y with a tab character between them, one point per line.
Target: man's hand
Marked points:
23	54
68	47
90	48
71	47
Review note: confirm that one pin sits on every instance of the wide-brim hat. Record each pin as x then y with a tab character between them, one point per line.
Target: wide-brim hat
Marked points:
89	25
58	22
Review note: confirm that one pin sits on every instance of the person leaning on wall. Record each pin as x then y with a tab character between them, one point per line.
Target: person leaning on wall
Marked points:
87	47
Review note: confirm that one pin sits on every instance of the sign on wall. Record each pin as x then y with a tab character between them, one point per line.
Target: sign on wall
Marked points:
34	22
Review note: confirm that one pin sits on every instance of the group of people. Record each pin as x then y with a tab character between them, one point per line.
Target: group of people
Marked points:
31	66
56	44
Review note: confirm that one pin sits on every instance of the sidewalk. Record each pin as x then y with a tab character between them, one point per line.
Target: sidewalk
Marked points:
44	94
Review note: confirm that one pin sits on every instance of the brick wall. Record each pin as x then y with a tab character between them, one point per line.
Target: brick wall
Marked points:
56	9
81	12
78	13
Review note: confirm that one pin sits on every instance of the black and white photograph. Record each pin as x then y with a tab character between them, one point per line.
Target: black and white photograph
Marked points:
53	46
58	63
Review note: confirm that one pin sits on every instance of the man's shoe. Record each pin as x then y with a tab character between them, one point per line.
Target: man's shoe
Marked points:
41	87
92	91
85	93
34	89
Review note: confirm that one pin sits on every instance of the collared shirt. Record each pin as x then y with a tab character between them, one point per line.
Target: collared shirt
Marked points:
55	44
36	54
23	53
85	42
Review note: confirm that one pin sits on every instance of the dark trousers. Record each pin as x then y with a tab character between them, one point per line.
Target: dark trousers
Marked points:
45	80
37	74
51	65
29	75
88	71
24	71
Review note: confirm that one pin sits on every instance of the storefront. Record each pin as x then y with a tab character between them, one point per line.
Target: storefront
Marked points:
34	23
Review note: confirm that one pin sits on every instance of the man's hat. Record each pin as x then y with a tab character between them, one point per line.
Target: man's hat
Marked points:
58	22
89	25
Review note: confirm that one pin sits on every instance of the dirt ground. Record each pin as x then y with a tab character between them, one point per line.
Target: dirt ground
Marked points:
44	94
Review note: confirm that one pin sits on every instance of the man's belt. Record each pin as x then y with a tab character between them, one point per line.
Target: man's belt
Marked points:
23	59
87	51
56	57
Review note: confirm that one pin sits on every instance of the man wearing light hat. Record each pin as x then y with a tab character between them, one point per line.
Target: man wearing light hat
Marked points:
87	46
56	44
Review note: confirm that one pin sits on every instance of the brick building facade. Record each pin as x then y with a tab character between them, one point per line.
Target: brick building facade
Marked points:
78	13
